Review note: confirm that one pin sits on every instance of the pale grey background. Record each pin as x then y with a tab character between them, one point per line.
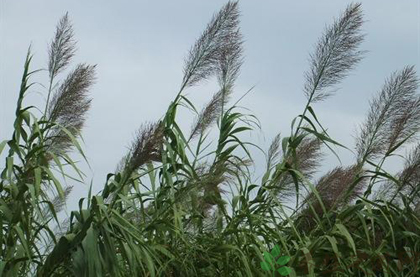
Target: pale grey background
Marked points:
139	47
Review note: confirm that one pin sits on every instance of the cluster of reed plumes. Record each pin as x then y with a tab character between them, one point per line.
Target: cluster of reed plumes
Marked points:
182	205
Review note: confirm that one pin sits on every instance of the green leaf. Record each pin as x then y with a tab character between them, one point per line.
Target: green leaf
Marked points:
284	271
283	260
265	266
2	144
235	200
275	251
57	184
268	257
23	240
344	232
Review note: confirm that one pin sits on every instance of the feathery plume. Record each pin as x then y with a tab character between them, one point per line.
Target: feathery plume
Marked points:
69	105
209	114
394	116
62	47
274	151
210	179
230	59
307	160
308	156
405	124
332	188
408	177
204	56
59	202
336	53
146	147
228	63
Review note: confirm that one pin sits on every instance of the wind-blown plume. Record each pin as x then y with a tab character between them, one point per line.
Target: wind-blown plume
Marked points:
408	177
203	58
405	124
217	175
146	146
307	160
62	47
332	186
308	156
336	53
59	202
227	64
69	102
393	118
332	189
69	105
230	59
209	114
273	152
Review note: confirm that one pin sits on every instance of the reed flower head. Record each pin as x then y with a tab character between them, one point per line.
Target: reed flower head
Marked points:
62	47
393	118
335	54
219	41
146	146
69	106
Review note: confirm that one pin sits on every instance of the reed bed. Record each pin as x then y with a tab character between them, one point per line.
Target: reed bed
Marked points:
183	204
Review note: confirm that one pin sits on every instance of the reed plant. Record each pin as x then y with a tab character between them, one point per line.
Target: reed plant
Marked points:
183	203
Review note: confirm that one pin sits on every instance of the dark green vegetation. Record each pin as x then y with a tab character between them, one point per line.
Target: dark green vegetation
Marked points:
182	205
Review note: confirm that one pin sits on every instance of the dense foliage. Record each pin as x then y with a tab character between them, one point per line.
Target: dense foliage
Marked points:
180	204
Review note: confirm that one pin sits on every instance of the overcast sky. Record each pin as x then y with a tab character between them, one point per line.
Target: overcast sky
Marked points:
139	48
